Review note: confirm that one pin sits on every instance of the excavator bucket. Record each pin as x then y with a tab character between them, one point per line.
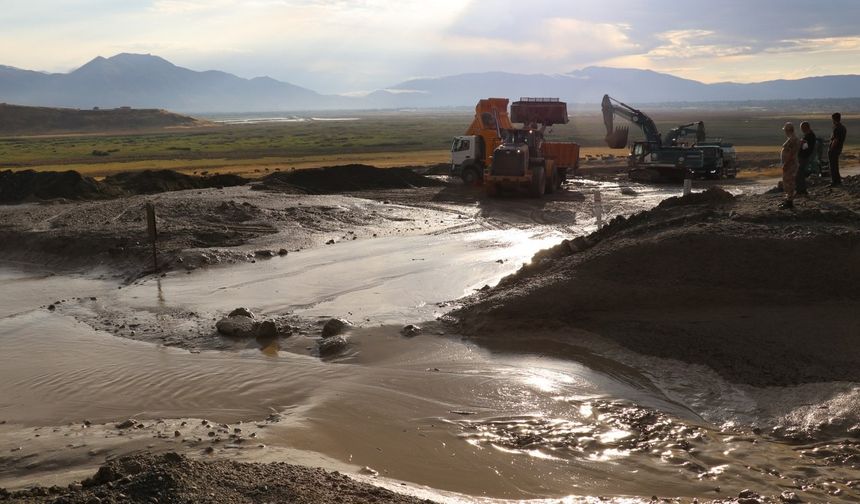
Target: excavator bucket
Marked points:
618	138
615	138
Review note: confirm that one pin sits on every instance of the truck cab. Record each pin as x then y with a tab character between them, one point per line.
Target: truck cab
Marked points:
467	158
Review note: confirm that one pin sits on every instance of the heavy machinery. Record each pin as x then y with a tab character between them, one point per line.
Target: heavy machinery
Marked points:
496	153
655	158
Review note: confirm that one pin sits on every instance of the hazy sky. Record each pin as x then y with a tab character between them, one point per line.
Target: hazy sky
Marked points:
338	46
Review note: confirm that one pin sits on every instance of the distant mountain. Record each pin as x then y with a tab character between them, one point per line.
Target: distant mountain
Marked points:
590	84
145	81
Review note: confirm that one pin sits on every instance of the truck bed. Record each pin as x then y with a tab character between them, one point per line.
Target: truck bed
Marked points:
565	154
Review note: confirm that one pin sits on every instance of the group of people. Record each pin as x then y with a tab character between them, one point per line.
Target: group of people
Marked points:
797	154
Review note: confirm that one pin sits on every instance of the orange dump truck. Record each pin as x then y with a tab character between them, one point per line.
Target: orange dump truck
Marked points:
498	154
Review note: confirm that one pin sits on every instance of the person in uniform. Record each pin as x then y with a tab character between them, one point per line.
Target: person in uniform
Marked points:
789	157
837	141
807	148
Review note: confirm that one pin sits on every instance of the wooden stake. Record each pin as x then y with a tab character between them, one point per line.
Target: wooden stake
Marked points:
153	233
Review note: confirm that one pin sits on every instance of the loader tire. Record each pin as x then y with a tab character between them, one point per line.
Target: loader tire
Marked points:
552	183
538	186
492	189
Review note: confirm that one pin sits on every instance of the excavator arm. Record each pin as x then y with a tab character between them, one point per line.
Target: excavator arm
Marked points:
616	137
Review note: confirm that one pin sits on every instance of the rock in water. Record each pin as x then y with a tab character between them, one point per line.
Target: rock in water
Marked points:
267	329
128	424
334	327
238	326
332	345
242	312
410	331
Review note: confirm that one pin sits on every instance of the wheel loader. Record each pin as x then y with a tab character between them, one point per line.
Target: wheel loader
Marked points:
498	155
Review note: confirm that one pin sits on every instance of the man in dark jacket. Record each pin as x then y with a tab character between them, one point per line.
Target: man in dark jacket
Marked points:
807	148
837	141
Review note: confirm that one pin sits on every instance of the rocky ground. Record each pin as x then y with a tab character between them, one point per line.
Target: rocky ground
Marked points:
173	478
763	296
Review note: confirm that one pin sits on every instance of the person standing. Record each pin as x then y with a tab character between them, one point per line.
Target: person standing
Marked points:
789	158
807	148
837	141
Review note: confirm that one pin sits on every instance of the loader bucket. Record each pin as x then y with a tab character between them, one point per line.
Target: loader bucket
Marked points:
618	138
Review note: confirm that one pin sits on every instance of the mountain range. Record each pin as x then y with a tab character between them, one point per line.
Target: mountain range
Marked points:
147	81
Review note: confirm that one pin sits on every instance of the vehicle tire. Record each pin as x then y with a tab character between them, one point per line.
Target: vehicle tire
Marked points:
552	183
492	189
731	171
538	182
470	176
562	177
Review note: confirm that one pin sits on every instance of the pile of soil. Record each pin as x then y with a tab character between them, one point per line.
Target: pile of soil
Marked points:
29	185
763	296
346	178
156	181
173	478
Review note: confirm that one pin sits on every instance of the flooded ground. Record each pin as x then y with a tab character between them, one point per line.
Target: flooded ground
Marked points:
449	418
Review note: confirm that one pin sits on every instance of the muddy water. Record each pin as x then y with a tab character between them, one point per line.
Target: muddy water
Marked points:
551	420
386	280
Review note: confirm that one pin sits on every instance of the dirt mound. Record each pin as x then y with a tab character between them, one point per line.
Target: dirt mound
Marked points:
156	181
732	283
30	185
171	477
712	196
345	178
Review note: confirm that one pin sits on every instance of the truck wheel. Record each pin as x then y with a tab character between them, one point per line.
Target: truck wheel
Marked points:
538	182
470	176
562	177
552	183
731	171
492	189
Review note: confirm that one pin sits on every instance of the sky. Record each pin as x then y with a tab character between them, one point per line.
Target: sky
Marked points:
354	46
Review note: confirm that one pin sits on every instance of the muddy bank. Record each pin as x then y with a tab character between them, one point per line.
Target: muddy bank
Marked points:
171	477
337	179
30	185
196	228
762	296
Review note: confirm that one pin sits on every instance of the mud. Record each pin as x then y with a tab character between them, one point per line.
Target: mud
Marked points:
539	409
197	228
346	178
731	283
29	185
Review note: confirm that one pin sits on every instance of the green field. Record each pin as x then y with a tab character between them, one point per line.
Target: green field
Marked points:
404	138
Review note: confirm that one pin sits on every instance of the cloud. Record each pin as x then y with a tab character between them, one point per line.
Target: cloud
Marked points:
344	45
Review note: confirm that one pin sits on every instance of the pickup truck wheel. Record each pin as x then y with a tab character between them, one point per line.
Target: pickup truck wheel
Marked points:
562	177
538	182
470	176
